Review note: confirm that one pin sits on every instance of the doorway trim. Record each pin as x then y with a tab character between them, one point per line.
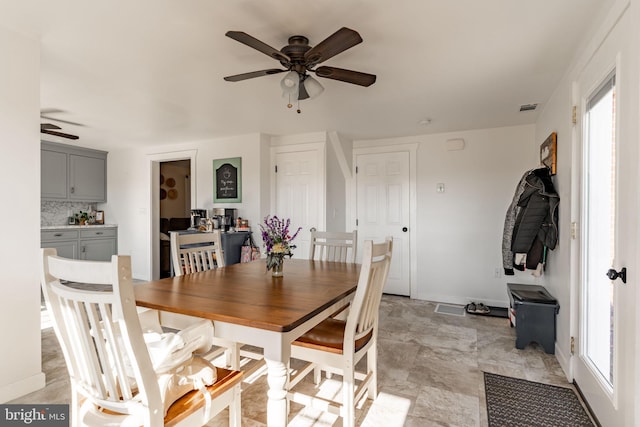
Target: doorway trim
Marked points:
154	209
412	149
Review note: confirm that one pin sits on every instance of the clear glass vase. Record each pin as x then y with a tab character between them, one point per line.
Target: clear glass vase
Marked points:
276	270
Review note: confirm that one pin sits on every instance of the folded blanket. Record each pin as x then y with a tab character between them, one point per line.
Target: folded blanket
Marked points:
168	350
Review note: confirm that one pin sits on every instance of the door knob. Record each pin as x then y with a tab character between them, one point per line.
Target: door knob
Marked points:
312	229
622	274
405	229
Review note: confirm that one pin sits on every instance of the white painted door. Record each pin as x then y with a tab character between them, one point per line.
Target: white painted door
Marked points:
382	209
299	192
605	359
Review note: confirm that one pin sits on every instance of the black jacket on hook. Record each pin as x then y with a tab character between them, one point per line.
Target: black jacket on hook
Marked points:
533	214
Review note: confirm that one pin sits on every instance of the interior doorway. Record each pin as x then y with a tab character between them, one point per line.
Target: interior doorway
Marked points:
155	160
175	206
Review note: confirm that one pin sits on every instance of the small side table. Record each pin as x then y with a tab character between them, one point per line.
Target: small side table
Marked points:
533	313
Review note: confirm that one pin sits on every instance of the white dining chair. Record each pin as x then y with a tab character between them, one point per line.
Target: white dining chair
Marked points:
195	252
120	376
337	346
333	246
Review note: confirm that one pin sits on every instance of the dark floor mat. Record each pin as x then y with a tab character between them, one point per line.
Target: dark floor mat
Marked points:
517	402
493	312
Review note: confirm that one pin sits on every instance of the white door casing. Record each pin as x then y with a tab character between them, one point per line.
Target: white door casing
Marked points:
154	209
609	391
385	206
298	177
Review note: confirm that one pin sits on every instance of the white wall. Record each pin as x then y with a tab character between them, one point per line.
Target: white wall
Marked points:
336	192
20	358
556	117
129	190
459	232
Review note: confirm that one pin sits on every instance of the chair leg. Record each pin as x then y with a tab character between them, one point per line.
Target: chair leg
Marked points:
75	406
317	375
372	366
235	409
232	355
348	404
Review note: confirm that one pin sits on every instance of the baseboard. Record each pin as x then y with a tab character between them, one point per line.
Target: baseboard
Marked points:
565	362
25	386
448	299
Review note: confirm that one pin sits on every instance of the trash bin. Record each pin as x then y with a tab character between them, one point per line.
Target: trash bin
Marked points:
533	313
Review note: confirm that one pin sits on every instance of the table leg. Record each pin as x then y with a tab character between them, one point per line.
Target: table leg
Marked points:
277	403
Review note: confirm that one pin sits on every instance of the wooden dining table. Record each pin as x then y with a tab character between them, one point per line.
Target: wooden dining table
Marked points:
249	306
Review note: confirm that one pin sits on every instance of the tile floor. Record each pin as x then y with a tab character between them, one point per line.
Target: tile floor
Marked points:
430	371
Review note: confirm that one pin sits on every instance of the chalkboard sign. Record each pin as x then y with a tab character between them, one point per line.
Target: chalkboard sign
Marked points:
227	180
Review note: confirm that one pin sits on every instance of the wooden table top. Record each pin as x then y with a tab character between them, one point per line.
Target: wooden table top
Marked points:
246	294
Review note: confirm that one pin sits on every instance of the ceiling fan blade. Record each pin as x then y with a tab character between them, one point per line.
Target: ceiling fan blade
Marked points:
355	77
49	126
337	42
61	121
60	134
251	75
253	42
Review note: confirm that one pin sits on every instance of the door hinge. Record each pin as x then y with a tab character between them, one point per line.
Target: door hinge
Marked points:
276	167
574	114
356	169
573	345
356	222
574	230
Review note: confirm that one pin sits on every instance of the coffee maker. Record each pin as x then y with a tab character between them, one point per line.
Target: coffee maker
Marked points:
226	217
196	216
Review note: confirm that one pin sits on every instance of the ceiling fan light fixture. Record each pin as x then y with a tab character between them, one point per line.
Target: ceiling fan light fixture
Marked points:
298	58
290	82
290	85
313	87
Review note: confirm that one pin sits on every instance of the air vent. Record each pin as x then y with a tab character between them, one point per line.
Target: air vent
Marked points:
452	310
528	107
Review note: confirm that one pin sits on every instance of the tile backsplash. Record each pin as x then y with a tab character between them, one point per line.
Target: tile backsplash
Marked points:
56	213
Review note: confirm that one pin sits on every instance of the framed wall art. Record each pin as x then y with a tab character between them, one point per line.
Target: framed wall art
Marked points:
548	153
99	217
227	180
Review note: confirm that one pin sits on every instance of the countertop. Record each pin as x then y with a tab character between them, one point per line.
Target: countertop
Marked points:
58	227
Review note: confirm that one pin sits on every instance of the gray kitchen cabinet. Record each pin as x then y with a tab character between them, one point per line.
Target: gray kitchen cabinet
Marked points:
65	249
54	184
72	173
96	244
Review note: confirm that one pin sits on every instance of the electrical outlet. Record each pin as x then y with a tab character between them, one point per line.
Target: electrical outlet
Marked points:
498	272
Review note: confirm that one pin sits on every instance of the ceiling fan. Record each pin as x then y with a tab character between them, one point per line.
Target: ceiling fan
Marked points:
299	58
52	129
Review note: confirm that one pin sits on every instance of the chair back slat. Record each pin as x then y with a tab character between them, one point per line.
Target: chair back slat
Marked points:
333	246
100	335
363	313
191	253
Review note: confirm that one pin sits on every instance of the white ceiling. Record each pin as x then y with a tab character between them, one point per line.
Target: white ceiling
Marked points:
151	71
